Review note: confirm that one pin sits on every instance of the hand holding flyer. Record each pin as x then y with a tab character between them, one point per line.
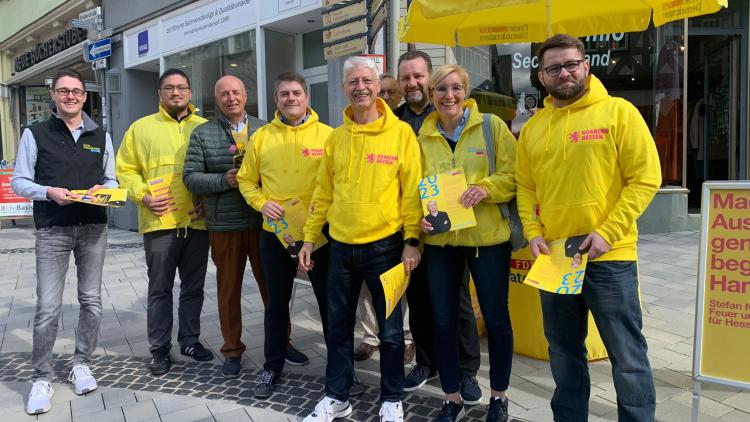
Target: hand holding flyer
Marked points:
561	271
289	228
180	201
395	282
441	203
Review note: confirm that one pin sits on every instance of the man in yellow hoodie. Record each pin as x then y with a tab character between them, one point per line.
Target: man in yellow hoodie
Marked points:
152	154
587	165
367	190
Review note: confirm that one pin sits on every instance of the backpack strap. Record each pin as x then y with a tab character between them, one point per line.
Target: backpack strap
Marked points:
489	145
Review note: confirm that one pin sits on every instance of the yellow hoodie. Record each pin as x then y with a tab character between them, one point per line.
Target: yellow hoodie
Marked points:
154	146
368	182
285	159
589	166
471	155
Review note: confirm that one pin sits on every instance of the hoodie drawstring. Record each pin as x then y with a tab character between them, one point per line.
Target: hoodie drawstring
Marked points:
564	139
549	125
563	136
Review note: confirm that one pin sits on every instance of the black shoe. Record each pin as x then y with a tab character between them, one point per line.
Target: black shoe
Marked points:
160	363
231	368
295	357
451	412
470	391
418	376
357	387
498	410
197	352
264	388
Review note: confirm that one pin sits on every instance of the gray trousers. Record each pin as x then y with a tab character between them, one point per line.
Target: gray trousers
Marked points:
53	246
167	252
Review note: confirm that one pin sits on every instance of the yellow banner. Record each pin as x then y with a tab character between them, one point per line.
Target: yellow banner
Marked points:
394	283
114	198
725	344
440	202
561	271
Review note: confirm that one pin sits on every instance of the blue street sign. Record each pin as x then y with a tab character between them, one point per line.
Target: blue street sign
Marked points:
99	49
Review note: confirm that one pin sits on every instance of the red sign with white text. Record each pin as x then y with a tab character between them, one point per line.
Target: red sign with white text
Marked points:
12	205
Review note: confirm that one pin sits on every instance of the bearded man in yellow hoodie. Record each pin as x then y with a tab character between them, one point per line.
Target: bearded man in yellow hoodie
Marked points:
367	190
587	165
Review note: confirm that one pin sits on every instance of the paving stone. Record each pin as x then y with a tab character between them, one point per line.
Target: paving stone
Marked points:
139	411
87	405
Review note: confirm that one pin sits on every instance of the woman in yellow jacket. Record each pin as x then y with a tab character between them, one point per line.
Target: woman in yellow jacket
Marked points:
453	137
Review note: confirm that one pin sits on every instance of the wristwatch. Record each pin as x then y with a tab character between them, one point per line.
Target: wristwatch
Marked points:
412	241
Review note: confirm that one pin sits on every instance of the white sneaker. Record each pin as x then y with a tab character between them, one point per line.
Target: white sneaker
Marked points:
40	398
391	411
82	379
329	409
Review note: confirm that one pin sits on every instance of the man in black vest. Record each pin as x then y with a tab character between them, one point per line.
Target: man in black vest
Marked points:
64	153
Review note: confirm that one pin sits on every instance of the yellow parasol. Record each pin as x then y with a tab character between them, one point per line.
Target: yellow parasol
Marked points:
482	22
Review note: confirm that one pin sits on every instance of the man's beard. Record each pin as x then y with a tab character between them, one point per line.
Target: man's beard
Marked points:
567	93
416	98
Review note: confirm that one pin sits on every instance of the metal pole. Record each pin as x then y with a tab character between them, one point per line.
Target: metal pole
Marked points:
394	41
696	401
103	84
549	18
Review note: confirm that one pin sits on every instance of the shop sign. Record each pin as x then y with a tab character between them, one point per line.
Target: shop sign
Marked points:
329	3
356	10
378	59
142	43
12	205
207	22
285	5
345	48
344	31
44	50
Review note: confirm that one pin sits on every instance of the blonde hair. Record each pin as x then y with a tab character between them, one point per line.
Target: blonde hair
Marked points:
443	71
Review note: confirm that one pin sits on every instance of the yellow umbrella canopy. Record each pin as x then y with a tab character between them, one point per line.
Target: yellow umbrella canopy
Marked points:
482	22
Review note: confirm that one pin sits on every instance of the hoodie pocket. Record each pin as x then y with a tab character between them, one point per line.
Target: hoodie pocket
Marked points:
571	219
361	218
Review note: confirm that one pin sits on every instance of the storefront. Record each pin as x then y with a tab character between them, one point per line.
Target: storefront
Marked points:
688	80
30	58
254	40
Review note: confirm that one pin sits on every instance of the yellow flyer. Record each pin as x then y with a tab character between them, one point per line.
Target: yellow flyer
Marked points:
289	228
180	202
561	271
114	198
394	283
440	202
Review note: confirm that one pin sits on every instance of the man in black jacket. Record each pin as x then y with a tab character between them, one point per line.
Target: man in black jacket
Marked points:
64	153
211	164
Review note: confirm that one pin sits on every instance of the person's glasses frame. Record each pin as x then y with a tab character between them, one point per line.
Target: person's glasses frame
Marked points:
182	89
64	92
570	66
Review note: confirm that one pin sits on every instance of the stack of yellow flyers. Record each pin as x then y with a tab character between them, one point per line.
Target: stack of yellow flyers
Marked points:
114	198
395	282
289	228
440	202
561	271
179	204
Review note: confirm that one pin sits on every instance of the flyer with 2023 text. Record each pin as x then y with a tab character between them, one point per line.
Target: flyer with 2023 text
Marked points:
440	196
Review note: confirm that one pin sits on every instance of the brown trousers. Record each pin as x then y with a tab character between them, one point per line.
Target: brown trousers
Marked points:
230	251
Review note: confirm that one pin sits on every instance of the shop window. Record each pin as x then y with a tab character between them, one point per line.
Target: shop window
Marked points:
645	68
35	105
235	55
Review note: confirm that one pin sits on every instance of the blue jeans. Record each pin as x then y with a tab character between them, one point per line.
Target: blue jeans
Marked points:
349	266
279	269
610	292
53	246
489	267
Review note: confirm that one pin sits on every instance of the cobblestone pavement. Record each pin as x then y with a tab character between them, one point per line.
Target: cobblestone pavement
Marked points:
196	392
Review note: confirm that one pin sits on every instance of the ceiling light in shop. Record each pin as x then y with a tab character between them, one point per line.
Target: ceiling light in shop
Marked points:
233	64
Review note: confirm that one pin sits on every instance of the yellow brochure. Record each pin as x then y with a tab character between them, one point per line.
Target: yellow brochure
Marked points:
561	271
394	283
440	202
114	198
179	203
289	228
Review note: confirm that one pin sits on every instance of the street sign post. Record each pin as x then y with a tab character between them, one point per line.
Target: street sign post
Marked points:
98	49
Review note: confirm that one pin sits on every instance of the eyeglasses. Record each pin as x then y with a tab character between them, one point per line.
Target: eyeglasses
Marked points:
181	88
571	66
444	89
64	92
353	83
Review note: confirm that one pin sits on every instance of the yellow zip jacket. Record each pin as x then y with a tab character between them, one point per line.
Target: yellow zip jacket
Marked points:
154	146
368	181
589	166
471	155
282	161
